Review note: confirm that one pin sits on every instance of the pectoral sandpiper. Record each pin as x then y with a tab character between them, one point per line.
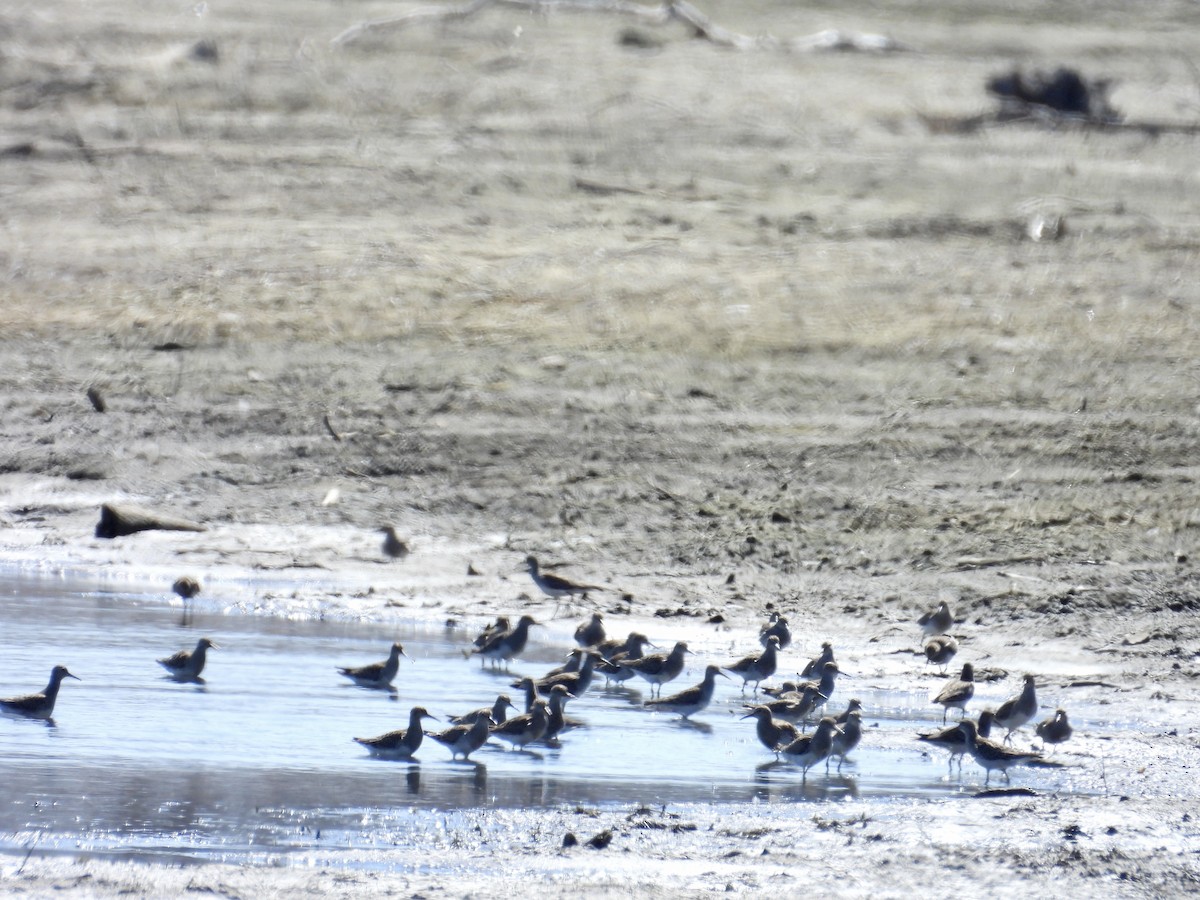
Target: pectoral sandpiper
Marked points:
399	744
40	705
376	675
186	665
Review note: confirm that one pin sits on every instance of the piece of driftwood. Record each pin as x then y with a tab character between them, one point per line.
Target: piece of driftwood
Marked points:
117	520
664	13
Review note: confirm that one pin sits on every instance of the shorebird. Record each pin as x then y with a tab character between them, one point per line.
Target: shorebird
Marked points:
504	646
937	621
991	755
846	738
824	687
817	664
1055	729
772	733
394	547
1016	711
525	728
659	668
797	706
186	588
186	665
575	682
809	749
692	700
776	627
633	646
500	626
616	666
399	744
41	705
376	675
555	585
957	692
952	738
853	706
498	712
529	686
590	634
940	650
556	719
465	739
757	666
574	661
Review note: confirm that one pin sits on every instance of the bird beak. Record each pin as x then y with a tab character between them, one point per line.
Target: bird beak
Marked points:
723	675
76	677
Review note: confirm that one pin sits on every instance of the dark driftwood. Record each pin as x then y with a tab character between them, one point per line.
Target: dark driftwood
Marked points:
118	520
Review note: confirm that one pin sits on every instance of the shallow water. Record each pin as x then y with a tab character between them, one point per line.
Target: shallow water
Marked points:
260	758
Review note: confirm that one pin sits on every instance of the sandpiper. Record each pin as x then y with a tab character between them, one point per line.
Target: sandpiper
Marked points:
574	661
776	627
957	692
394	547
824	687
991	755
376	675
783	688
846	738
186	588
816	665
1055	729
809	749
504	646
937	621
500	626
690	701
41	705
940	650
634	646
757	666
772	733
498	712
952	738
556	719
525	728
590	634
186	665
529	686
659	668
1016	711
797	706
555	585
575	682
855	705
399	744
465	739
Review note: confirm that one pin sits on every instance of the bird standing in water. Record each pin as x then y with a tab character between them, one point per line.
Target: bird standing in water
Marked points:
376	675
40	705
186	665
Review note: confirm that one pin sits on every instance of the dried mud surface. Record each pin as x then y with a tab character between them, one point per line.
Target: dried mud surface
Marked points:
664	312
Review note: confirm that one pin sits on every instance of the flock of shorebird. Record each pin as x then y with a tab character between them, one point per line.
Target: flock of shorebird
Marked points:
781	717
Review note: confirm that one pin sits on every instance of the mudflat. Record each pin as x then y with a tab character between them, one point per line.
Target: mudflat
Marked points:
726	330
